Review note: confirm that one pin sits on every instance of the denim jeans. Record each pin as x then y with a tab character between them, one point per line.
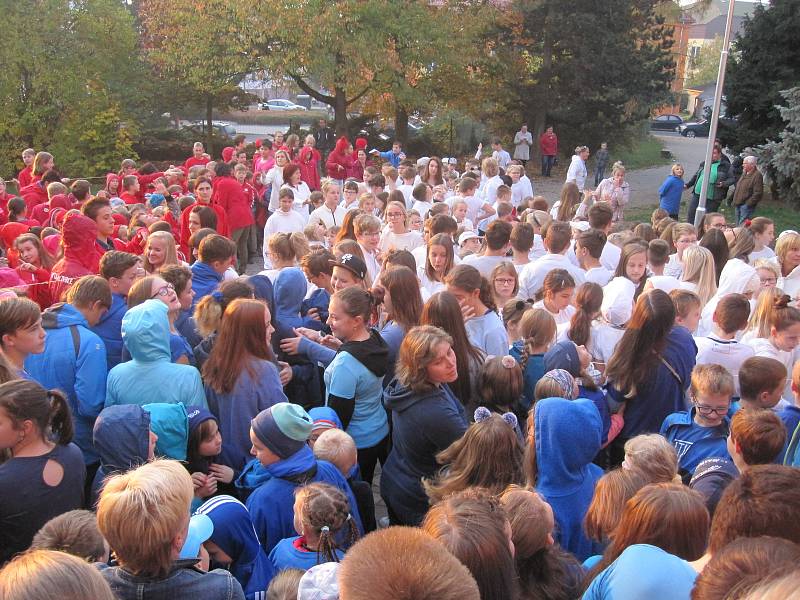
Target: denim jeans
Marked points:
599	172
744	212
547	164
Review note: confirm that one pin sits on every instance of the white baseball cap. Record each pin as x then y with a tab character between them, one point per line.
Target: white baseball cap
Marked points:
467	235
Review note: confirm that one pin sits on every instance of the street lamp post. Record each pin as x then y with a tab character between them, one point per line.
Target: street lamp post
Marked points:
712	131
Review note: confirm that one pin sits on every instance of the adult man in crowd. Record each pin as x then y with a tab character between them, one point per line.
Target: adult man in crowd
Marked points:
548	144
324	139
749	190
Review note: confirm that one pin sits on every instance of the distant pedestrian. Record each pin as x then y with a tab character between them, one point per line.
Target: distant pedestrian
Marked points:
324	140
576	173
548	144
523	140
601	162
749	190
669	194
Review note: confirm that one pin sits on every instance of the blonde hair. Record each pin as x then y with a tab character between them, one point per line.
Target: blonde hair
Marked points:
40	574
489	167
711	379
537	328
170	253
142	512
652	456
763	263
787	240
334	446
677	166
760	321
284	585
698	268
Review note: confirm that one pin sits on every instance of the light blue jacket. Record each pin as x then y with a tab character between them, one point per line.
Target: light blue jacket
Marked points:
73	361
150	377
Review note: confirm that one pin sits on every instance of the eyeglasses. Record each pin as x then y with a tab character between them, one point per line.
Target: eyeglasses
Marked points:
504	281
163	291
768	280
707	411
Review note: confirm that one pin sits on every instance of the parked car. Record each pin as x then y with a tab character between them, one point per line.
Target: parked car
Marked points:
280	104
220	127
694	129
666	123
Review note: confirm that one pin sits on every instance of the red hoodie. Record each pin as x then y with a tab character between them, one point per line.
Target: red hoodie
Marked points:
195	162
307	159
228	194
339	162
81	258
43	212
34	195
222	224
8	233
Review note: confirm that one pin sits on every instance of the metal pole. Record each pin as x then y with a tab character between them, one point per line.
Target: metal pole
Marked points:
712	131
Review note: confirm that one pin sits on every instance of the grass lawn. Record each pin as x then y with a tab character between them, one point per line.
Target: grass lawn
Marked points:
784	216
644	153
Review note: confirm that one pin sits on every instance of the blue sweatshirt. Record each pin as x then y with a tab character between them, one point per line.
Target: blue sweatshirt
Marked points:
567	437
78	372
290	554
204	280
257	388
669	194
791	419
150	376
660	394
692	441
488	333
643	571
110	330
271	505
534	370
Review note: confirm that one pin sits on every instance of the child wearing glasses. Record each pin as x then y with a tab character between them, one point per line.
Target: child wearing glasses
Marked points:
702	432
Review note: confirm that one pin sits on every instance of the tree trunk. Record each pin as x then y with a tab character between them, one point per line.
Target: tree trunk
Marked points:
540	112
340	111
401	124
210	125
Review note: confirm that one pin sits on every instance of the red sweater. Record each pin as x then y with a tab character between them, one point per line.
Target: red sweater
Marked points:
195	162
81	258
228	194
33	194
130	198
222	223
307	160
548	144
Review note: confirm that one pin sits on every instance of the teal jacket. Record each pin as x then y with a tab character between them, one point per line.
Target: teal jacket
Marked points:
151	377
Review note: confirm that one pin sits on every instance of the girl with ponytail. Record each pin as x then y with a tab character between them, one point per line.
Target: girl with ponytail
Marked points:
474	294
783	337
44	474
354	378
588	301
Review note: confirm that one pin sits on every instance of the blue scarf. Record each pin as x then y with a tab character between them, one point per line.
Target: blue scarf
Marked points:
301	461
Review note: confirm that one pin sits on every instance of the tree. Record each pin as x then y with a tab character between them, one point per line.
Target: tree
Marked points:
207	54
705	66
781	158
593	70
764	61
69	67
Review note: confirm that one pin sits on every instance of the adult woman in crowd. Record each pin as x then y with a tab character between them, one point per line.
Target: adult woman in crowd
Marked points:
45	473
361	161
442	310
308	159
426	418
649	370
616	191
432	174
292	179
240	376
787	250
274	178
576	173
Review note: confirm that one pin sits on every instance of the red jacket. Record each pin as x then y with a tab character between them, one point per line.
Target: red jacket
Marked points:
195	162
43	212
144	183
129	198
25	177
222	224
8	233
228	194
81	257
33	194
548	144
339	162
38	285
308	160
357	172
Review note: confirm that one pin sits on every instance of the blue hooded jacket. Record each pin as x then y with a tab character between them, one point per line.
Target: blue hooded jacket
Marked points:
170	423
567	437
289	291
150	377
271	506
643	571
73	361
252	393
235	536
204	280
109	328
122	438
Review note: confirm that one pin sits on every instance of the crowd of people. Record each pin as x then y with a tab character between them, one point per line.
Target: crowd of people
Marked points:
553	402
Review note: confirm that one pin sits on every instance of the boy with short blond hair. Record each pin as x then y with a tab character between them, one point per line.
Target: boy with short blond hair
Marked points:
687	308
702	432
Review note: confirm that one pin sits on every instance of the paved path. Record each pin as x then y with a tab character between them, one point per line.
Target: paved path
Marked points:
644	182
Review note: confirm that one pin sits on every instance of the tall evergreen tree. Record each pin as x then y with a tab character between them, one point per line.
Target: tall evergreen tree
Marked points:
764	61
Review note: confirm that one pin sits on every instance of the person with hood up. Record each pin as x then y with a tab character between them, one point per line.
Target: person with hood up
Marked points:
234	543
563	438
151	376
615	312
229	195
124	440
340	160
8	235
45	213
74	357
354	378
426	419
78	235
279	436
737	277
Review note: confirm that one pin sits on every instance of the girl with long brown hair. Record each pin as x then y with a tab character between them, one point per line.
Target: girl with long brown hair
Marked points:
240	376
633	265
35	264
650	368
488	456
588	301
402	308
442	310
556	295
439	261
21	331
474	294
